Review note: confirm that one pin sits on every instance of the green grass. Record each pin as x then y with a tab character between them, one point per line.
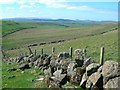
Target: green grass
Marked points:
26	79
87	36
21	80
92	44
50	31
9	26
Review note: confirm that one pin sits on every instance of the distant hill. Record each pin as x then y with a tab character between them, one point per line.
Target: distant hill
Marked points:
59	20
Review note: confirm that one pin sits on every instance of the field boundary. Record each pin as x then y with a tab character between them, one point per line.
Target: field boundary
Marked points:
61	41
16	31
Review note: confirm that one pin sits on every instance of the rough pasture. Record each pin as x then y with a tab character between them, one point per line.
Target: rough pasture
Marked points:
51	32
76	35
91	43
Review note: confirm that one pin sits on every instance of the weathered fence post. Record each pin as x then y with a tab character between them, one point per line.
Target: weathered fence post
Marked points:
70	52
3	53
30	50
35	52
42	51
84	51
53	50
102	56
84	54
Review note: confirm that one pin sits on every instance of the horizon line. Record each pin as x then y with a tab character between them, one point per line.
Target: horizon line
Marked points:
55	19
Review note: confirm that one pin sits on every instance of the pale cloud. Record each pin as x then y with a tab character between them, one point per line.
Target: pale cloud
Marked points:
7	1
31	2
91	9
9	8
25	6
52	1
62	4
55	4
106	12
21	2
82	8
48	3
16	1
33	11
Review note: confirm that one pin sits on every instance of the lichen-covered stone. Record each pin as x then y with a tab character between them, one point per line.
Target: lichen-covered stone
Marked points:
110	69
92	68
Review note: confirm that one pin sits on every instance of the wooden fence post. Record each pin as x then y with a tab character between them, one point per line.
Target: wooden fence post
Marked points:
42	51
102	56
3	53
35	52
53	50
84	53
30	50
70	52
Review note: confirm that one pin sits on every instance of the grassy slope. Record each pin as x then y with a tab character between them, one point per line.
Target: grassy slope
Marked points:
46	32
9	26
54	31
92	43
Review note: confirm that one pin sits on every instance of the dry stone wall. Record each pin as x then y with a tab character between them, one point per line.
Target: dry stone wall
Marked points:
60	69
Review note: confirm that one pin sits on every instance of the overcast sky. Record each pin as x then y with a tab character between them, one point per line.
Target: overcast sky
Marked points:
64	9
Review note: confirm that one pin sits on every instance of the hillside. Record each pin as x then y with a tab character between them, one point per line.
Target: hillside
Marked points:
91	43
25	33
18	34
